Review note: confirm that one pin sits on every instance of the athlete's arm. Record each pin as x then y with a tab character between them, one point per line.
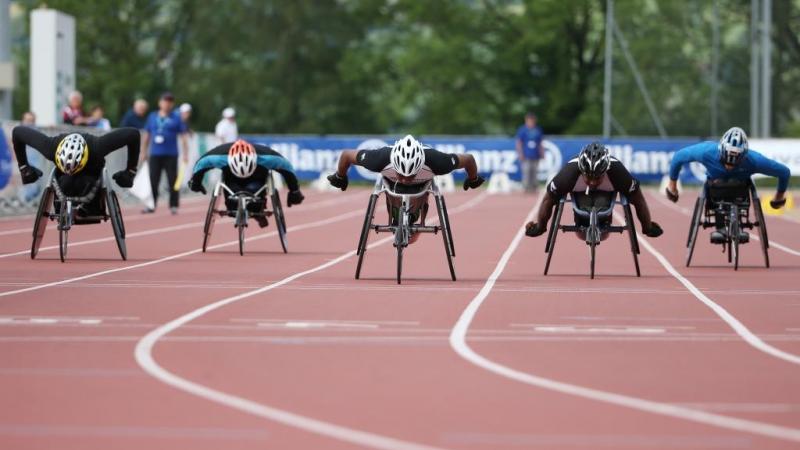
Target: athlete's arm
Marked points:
559	186
346	159
625	183
121	137
679	159
773	168
443	163
22	136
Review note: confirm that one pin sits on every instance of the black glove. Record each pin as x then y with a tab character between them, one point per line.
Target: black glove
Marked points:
338	182
534	229
654	231
473	183
124	178
29	174
777	204
294	198
672	196
197	186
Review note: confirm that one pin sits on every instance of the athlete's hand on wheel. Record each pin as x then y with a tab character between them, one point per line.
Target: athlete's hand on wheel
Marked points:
338	182
672	195
534	229
654	230
29	174
294	198
124	178
473	183
777	203
197	186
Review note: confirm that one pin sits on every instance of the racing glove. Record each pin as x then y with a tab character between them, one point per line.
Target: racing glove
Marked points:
473	183
672	196
124	178
197	186
534	229
338	182
777	204
654	231
29	174
294	198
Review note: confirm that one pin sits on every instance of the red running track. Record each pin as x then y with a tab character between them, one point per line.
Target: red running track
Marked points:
179	349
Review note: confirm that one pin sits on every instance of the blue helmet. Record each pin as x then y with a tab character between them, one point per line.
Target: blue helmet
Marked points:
733	146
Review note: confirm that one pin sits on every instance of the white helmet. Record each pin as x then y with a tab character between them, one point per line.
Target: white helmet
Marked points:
242	158
407	156
733	146
72	154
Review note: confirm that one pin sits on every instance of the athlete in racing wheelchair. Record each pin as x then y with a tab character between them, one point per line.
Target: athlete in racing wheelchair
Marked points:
78	191
247	181
407	169
725	200
593	181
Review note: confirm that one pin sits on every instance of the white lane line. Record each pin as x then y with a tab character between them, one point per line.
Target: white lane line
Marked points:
305	325
590	330
458	342
723	313
315	224
144	357
160	230
688	213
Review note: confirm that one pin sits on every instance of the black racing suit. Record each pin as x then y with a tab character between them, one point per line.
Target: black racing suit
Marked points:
99	147
438	163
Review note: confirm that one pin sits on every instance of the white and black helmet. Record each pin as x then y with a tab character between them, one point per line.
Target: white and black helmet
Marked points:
72	154
733	146
593	161
407	156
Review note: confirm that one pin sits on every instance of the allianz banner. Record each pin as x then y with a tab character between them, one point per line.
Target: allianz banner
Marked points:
647	159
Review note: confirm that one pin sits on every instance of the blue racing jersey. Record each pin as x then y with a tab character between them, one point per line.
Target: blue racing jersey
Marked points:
707	154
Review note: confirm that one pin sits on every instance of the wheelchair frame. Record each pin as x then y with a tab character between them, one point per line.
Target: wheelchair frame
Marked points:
593	231
66	218
241	214
736	217
402	231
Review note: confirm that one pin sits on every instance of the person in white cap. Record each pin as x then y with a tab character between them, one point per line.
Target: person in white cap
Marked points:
226	130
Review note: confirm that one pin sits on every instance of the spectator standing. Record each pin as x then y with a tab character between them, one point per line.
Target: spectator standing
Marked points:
97	119
136	117
530	151
162	133
73	113
226	129
186	116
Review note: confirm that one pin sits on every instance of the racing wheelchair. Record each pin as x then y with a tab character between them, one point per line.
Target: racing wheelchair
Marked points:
725	205
56	206
241	205
407	204
593	215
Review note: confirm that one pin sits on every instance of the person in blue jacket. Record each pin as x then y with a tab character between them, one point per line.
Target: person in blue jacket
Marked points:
729	159
245	167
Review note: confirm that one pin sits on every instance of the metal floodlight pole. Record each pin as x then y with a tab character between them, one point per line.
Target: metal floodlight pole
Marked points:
714	129
651	107
608	69
5	58
766	68
755	70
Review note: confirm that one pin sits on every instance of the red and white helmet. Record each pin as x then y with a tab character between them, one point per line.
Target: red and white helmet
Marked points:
407	156
242	158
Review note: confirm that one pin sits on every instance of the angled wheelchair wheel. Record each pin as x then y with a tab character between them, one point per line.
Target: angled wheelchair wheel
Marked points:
694	229
365	228
280	219
447	238
41	219
762	228
447	228
695	212
634	240
117	224
554	226
211	215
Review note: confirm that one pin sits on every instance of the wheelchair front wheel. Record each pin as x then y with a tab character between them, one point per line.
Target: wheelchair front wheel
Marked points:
64	224
734	237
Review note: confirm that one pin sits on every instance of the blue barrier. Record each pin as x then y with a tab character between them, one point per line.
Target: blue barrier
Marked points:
647	159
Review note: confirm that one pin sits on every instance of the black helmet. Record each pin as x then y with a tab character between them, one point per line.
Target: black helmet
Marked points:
593	160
